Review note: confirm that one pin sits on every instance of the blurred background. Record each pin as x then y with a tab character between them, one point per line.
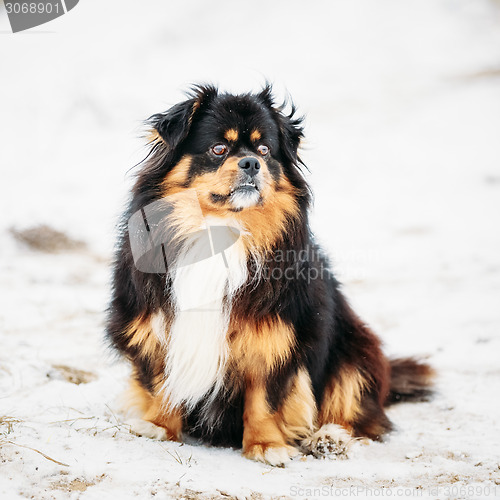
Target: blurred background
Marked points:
402	107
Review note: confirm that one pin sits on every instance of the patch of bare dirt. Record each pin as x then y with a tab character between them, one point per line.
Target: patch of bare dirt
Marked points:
75	375
43	238
75	484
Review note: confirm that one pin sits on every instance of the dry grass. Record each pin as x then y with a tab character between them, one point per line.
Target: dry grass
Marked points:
36	451
7	424
6	427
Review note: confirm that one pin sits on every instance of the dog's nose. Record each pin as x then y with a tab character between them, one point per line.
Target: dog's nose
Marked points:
249	165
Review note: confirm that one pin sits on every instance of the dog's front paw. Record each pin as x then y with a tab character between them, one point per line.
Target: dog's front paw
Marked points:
141	427
271	453
330	440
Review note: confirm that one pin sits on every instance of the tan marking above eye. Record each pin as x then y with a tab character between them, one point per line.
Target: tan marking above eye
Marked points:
255	135
231	135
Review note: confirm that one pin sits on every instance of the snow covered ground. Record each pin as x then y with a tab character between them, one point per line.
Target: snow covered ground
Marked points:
403	118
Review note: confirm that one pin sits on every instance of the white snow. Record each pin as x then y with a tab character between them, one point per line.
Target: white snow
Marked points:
403	119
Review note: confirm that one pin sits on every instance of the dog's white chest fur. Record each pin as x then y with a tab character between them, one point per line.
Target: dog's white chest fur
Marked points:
202	290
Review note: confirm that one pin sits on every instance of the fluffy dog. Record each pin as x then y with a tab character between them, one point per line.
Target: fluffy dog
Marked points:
237	330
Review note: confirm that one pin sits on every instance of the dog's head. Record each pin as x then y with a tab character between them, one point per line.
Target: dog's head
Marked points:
239	154
235	150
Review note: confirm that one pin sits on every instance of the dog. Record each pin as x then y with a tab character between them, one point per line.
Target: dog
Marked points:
236	329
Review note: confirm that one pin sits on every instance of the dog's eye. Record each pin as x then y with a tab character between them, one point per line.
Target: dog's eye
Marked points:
219	149
263	150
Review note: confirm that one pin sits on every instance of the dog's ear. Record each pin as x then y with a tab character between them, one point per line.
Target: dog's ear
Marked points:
173	125
290	126
291	134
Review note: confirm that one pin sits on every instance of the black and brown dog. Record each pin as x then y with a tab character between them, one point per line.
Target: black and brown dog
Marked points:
235	326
